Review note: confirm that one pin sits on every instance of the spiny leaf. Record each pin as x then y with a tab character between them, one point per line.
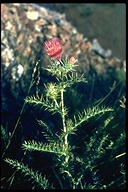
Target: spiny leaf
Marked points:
48	132
47	104
69	80
87	114
55	148
37	177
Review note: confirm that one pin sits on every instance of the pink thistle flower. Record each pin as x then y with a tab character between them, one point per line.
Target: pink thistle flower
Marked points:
53	48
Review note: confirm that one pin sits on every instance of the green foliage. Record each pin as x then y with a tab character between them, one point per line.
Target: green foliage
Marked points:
4	135
80	156
55	148
89	113
41	181
48	132
47	104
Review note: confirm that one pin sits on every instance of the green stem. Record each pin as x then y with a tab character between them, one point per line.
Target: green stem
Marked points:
64	125
56	102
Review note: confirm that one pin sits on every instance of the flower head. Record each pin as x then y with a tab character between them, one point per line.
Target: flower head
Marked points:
53	48
72	60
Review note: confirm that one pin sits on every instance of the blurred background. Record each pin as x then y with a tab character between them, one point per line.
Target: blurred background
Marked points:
104	21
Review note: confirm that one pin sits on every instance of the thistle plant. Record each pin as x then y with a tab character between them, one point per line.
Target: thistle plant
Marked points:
77	157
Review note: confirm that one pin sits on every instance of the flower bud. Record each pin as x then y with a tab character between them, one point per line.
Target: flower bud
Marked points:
72	60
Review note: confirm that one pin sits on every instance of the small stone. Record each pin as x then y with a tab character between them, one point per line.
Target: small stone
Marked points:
16	4
8	26
32	15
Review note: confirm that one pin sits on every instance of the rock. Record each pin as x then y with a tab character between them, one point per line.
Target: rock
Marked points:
24	25
99	49
32	15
